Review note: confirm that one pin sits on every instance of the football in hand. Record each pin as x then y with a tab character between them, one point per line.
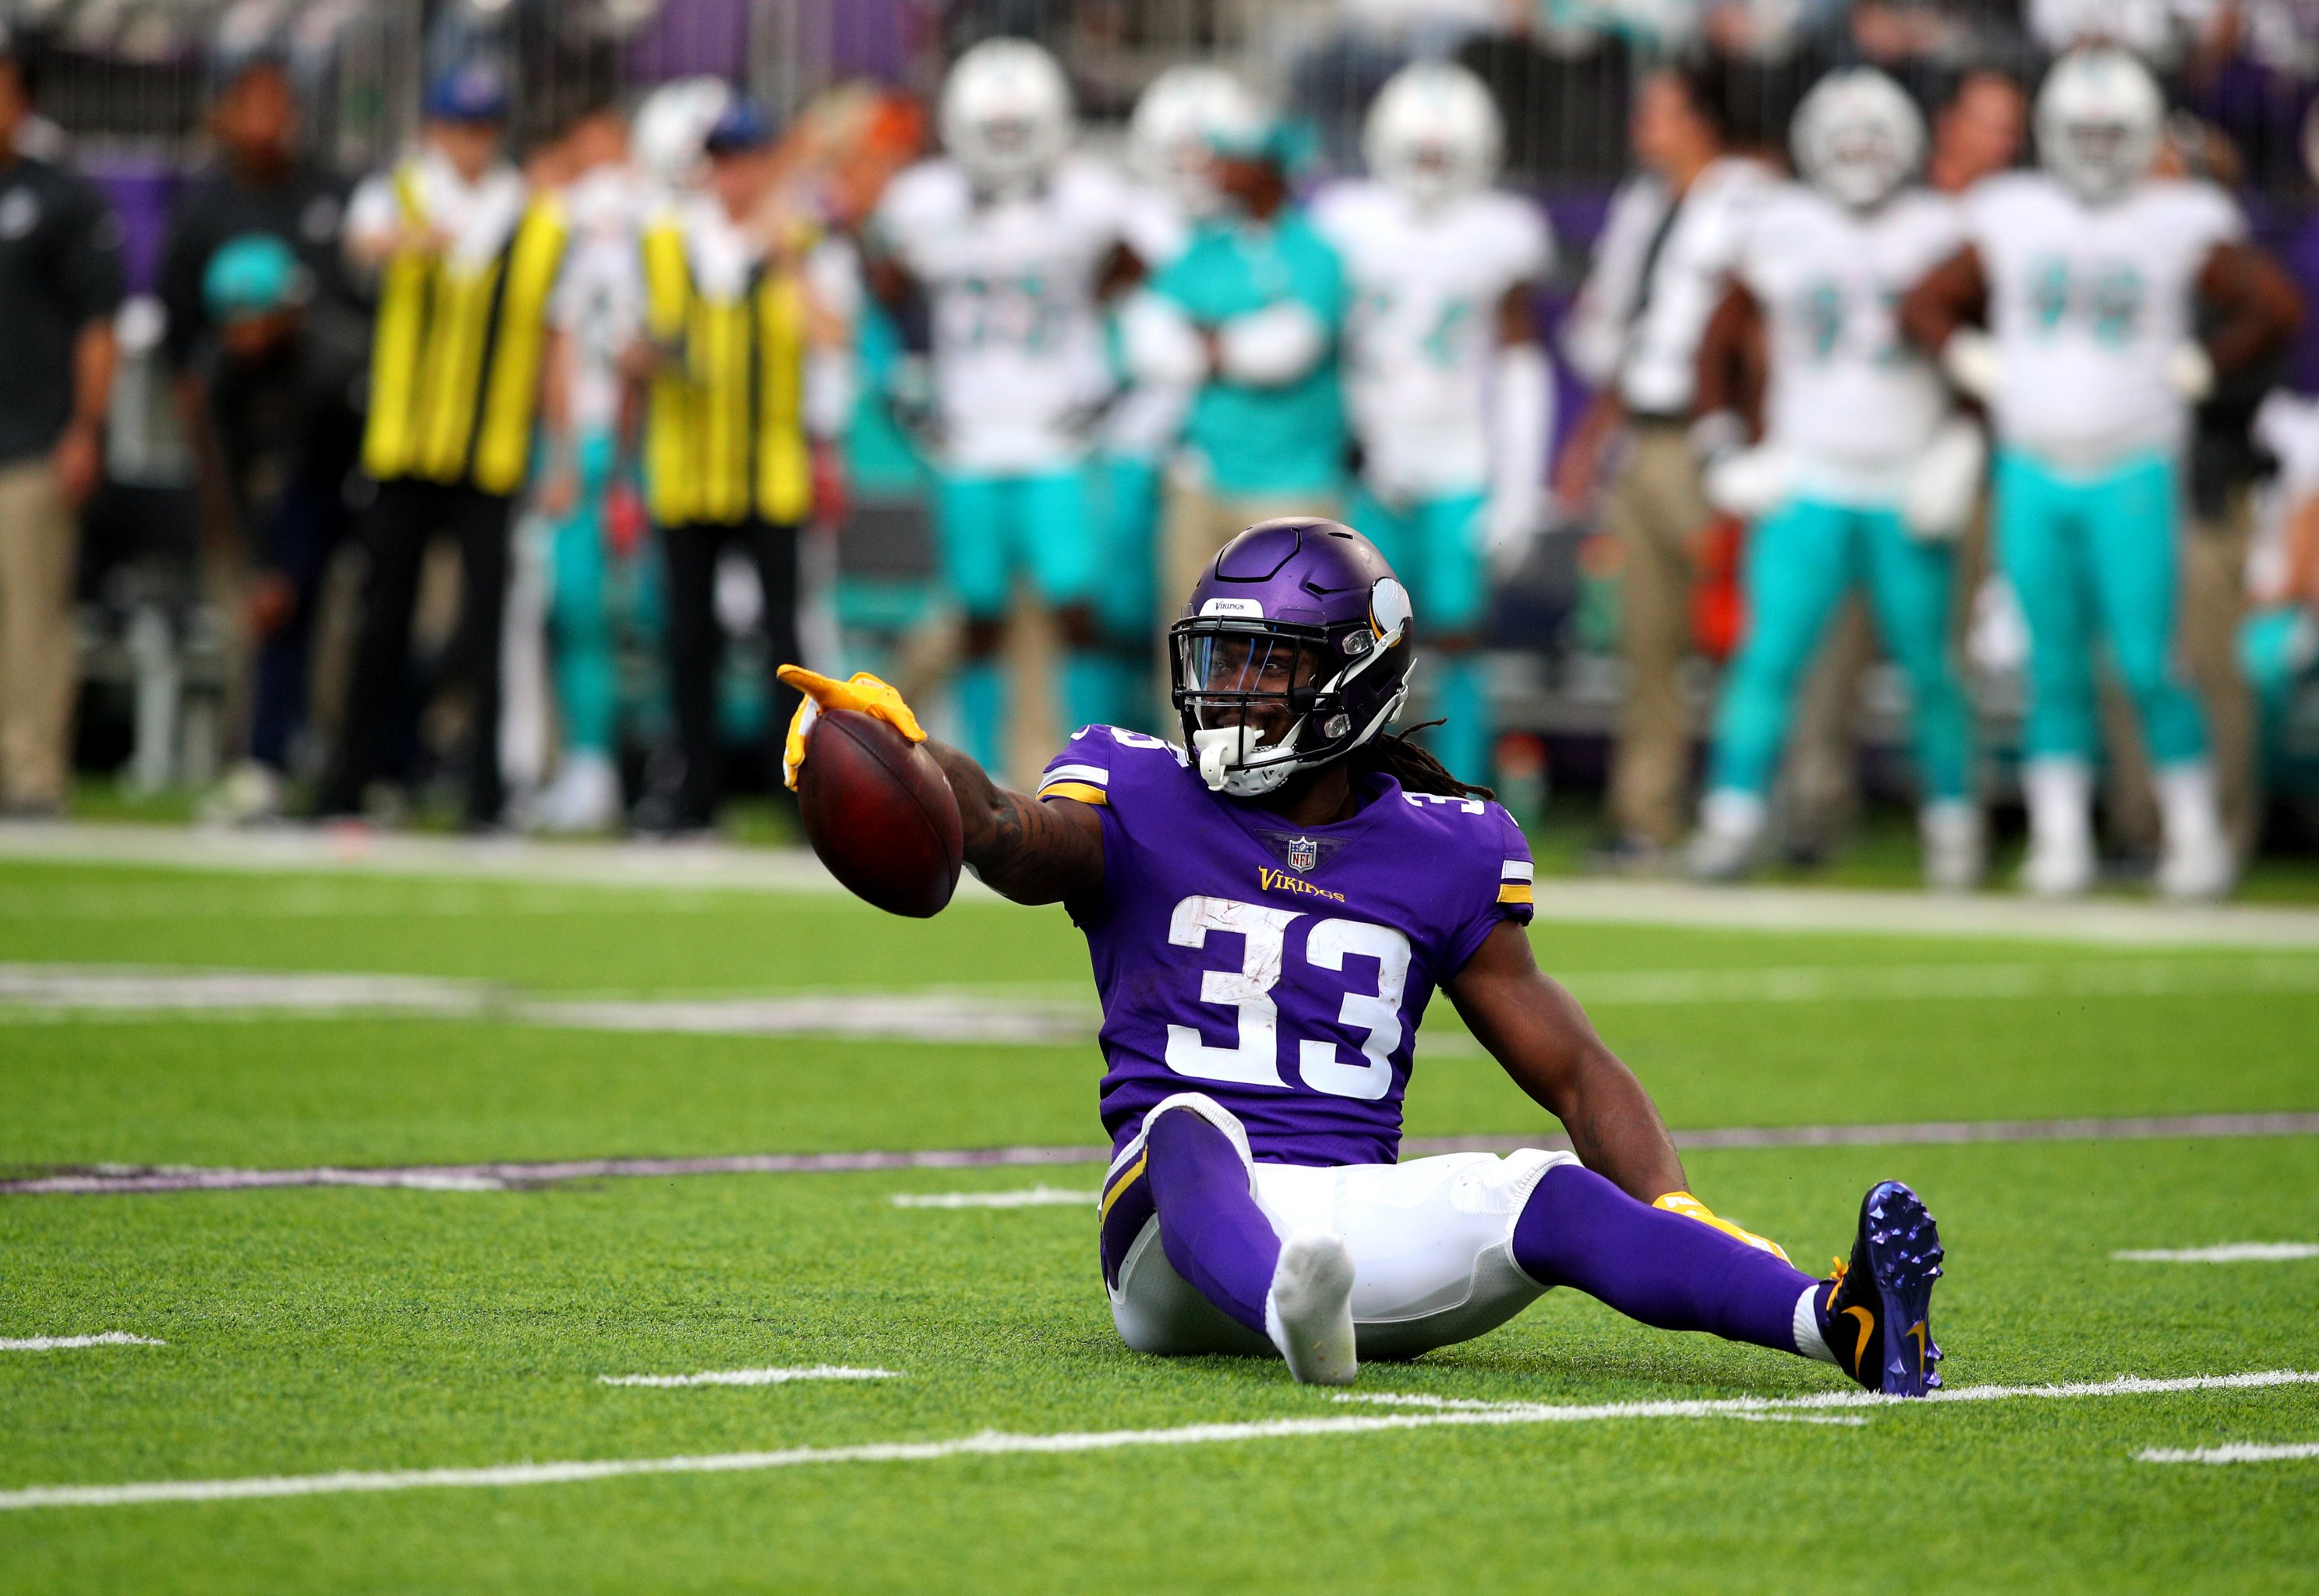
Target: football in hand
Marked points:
879	813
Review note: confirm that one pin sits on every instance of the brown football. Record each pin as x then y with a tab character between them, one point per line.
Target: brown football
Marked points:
879	814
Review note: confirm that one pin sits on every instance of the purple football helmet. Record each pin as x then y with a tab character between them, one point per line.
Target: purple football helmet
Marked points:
1293	650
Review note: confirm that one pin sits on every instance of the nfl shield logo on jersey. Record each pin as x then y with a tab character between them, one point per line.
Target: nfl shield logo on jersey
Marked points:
1303	853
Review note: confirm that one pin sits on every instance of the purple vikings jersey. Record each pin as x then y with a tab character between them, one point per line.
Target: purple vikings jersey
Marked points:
1281	971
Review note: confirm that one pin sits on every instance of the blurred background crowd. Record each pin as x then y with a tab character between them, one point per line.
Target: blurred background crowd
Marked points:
452	409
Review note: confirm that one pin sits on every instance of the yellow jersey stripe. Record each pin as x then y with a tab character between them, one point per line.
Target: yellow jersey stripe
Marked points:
1515	892
1075	789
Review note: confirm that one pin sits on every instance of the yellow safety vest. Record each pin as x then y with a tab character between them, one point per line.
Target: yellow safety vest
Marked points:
455	354
725	436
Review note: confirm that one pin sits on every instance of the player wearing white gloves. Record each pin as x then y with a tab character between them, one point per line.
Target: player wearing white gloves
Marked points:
2069	312
1865	471
1446	379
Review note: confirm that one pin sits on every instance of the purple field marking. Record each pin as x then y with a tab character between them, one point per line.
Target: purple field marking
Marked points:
110	1179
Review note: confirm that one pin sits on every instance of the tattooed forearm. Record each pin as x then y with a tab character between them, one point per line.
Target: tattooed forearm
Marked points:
1021	848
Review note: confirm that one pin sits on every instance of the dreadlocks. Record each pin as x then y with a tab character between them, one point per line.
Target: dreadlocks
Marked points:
1394	755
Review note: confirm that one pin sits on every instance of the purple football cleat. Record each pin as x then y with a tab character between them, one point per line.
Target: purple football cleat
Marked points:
1876	1313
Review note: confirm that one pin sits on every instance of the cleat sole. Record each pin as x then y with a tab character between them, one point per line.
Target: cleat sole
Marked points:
1904	1259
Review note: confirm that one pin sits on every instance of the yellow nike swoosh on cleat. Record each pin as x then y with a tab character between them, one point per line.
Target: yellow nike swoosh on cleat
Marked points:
1918	1331
1867	1329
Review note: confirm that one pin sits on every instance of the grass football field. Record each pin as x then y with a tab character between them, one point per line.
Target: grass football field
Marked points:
361	1388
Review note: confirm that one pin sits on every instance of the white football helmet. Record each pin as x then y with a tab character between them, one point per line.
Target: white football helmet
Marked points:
2099	118
1005	113
672	126
1857	137
1167	137
1434	134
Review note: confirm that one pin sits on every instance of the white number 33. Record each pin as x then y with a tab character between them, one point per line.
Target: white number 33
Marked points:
1255	1058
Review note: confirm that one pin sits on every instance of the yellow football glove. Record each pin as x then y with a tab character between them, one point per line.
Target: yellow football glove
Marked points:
1690	1207
865	693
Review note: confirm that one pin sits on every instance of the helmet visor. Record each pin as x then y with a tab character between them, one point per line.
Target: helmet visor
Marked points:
1248	676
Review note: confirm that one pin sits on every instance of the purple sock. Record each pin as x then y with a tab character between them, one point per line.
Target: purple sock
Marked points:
1675	1273
1210	1227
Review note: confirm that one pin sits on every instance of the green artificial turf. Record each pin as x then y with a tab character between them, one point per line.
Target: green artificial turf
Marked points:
315	1330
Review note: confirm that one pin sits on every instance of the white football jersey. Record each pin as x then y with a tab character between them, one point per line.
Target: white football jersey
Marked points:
599	301
1850	401
1423	331
2088	304
1018	350
1146	418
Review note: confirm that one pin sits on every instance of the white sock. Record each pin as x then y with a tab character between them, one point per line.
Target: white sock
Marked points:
1810	1342
1308	1311
2060	794
2189	804
1732	812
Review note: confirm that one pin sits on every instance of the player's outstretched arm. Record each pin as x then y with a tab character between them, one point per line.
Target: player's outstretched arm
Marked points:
1019	847
1541	1037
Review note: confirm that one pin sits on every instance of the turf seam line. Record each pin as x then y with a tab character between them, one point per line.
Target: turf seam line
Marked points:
2238	1452
820	1371
110	1179
1001	1443
69	1343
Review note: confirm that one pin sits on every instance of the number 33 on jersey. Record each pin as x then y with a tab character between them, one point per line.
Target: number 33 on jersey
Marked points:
1282	971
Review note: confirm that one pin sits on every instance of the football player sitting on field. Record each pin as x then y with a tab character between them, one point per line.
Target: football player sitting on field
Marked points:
1269	906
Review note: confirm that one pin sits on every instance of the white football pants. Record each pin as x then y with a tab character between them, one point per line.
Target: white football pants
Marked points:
1431	1239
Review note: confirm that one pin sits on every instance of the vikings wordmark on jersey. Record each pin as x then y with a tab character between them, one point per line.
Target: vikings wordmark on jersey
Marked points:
1284	973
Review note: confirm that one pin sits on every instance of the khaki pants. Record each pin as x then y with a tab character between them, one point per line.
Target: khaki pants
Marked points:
1656	510
39	537
1199	522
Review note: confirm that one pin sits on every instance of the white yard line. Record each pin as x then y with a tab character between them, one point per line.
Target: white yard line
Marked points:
67	1343
693	868
1000	1444
2238	1452
1036	1196
2231	1252
820	1371
111	1179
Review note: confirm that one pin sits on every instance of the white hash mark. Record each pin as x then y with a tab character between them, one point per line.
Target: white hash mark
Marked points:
1036	1196
2239	1452
2231	1252
66	1343
820	1371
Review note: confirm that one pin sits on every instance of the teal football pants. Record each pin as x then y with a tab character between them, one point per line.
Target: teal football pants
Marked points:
1041	524
580	628
1128	596
2097	555
1435	547
1800	562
